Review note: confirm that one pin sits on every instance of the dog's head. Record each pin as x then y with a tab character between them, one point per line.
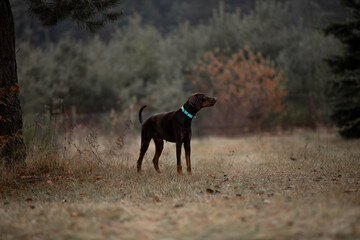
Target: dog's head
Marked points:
199	100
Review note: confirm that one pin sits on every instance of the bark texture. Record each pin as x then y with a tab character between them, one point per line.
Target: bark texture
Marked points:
12	147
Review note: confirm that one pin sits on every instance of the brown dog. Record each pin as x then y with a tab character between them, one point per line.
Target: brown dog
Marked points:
174	127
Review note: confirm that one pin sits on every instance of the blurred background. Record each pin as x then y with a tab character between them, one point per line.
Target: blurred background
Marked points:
263	60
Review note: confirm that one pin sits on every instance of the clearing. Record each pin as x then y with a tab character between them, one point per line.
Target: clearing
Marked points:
299	186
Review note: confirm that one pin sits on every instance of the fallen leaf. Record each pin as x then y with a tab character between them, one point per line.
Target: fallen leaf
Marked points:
318	179
157	198
209	190
290	223
6	203
178	205
76	214
28	199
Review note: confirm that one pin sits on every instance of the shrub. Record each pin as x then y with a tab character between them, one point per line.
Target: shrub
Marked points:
250	92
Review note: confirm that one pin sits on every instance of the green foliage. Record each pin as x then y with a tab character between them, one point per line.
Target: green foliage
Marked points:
302	62
267	29
64	82
345	103
90	14
167	15
344	91
39	130
139	65
225	31
135	52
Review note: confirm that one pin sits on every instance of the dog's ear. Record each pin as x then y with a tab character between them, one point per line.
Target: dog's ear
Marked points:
195	101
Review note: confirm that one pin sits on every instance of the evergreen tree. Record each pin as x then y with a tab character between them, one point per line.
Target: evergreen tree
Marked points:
89	14
344	91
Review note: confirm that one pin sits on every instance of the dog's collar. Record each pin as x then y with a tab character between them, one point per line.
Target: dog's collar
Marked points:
187	113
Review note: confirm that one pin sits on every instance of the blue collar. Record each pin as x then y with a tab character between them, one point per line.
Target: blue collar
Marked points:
186	112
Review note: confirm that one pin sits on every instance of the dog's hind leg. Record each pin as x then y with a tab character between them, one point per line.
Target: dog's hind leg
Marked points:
144	146
159	145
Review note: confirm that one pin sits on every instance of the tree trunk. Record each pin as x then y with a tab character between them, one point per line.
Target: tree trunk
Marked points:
12	147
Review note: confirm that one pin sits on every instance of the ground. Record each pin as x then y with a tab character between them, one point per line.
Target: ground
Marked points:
301	185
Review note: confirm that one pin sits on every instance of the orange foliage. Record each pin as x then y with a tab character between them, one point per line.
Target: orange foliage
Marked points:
248	89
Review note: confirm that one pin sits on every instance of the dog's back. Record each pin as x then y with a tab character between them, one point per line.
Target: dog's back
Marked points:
159	126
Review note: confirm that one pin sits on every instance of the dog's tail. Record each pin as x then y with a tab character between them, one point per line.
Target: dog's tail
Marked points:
141	109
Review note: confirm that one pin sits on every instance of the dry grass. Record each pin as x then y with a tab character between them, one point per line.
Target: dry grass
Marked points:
303	186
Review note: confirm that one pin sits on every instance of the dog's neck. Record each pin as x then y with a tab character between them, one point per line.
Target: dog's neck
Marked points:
190	109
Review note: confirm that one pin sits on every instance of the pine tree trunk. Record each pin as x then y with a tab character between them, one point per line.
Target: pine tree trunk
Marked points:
12	147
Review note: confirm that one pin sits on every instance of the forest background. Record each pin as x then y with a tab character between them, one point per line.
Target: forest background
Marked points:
264	60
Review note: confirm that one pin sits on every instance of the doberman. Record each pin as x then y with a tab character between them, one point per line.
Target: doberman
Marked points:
173	127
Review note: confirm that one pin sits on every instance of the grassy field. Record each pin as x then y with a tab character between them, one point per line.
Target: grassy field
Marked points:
299	186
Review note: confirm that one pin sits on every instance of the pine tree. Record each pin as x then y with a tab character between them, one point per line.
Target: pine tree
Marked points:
344	91
89	14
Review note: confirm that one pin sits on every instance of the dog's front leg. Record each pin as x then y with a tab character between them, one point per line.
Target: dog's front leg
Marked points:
178	156
187	155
